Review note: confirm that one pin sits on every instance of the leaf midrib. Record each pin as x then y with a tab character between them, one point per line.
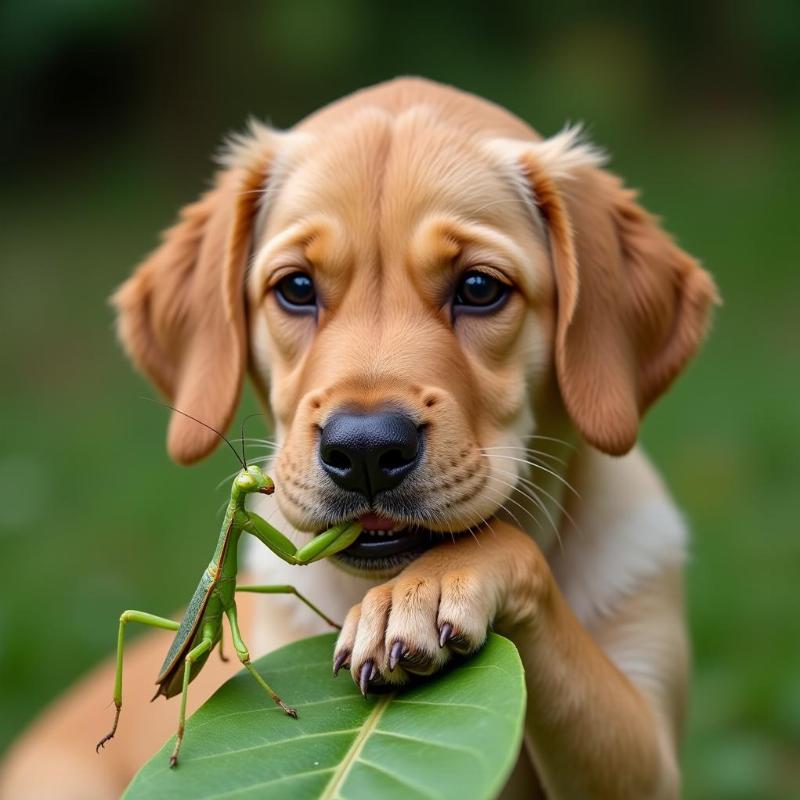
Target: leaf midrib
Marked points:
351	757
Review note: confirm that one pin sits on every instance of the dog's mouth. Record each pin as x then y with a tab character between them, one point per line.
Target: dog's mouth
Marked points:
386	545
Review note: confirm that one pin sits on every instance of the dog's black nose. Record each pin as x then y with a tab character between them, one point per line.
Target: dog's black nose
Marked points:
369	453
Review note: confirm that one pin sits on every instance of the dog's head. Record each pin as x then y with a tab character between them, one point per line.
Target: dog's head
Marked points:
418	284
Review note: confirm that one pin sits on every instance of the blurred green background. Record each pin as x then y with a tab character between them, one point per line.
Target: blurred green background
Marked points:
110	113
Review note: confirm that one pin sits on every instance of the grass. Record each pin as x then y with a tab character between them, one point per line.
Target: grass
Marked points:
94	518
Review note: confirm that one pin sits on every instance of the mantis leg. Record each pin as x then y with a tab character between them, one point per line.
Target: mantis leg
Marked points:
222	656
244	656
269	535
328	542
143	618
321	546
191	657
290	590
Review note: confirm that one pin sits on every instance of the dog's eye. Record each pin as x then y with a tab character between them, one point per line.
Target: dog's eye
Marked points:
296	291
480	291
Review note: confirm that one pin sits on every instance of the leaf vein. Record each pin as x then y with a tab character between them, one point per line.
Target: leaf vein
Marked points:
484	709
262	784
395	777
273	708
352	755
433	743
266	745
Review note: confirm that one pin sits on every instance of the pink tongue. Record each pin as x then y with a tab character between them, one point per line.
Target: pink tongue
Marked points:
372	522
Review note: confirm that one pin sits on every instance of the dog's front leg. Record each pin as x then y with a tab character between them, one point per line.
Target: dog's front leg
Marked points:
591	731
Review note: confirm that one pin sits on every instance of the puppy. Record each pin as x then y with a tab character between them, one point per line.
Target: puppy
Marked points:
455	327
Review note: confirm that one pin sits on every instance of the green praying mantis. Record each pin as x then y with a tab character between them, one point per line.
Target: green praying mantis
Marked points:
200	630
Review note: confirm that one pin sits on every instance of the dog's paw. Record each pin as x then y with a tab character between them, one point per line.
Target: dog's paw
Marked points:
413	624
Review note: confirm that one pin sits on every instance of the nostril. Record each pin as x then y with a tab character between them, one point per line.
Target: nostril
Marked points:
337	459
369	453
393	460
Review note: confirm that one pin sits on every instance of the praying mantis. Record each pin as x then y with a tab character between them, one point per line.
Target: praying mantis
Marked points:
200	630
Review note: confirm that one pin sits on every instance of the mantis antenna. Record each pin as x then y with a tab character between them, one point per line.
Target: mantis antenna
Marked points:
205	425
249	416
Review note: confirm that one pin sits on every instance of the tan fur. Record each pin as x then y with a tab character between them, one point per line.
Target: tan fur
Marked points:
632	306
181	315
385	197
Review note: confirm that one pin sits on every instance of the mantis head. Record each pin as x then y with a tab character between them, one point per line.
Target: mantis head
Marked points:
252	479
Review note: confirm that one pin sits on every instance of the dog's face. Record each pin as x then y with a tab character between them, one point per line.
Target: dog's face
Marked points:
400	324
407	294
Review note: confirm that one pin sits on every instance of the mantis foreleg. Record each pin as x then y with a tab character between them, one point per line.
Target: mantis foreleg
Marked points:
269	535
328	542
244	656
143	618
206	644
290	590
322	546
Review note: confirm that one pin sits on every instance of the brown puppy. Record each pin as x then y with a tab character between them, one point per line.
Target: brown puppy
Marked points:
432	301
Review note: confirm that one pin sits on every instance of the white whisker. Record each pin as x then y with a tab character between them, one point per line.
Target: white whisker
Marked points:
533	464
262	459
549	439
536	489
225	481
505	499
537	501
527	451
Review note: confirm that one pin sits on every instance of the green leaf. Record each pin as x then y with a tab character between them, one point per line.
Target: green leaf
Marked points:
455	736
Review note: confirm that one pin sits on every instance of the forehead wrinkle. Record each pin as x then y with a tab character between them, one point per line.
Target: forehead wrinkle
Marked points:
433	163
343	178
301	236
465	232
284	241
435	169
440	238
383	155
342	173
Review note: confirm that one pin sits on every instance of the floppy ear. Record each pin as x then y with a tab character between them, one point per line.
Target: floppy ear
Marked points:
632	306
181	316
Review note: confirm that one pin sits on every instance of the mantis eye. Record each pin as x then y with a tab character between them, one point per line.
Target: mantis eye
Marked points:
245	482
